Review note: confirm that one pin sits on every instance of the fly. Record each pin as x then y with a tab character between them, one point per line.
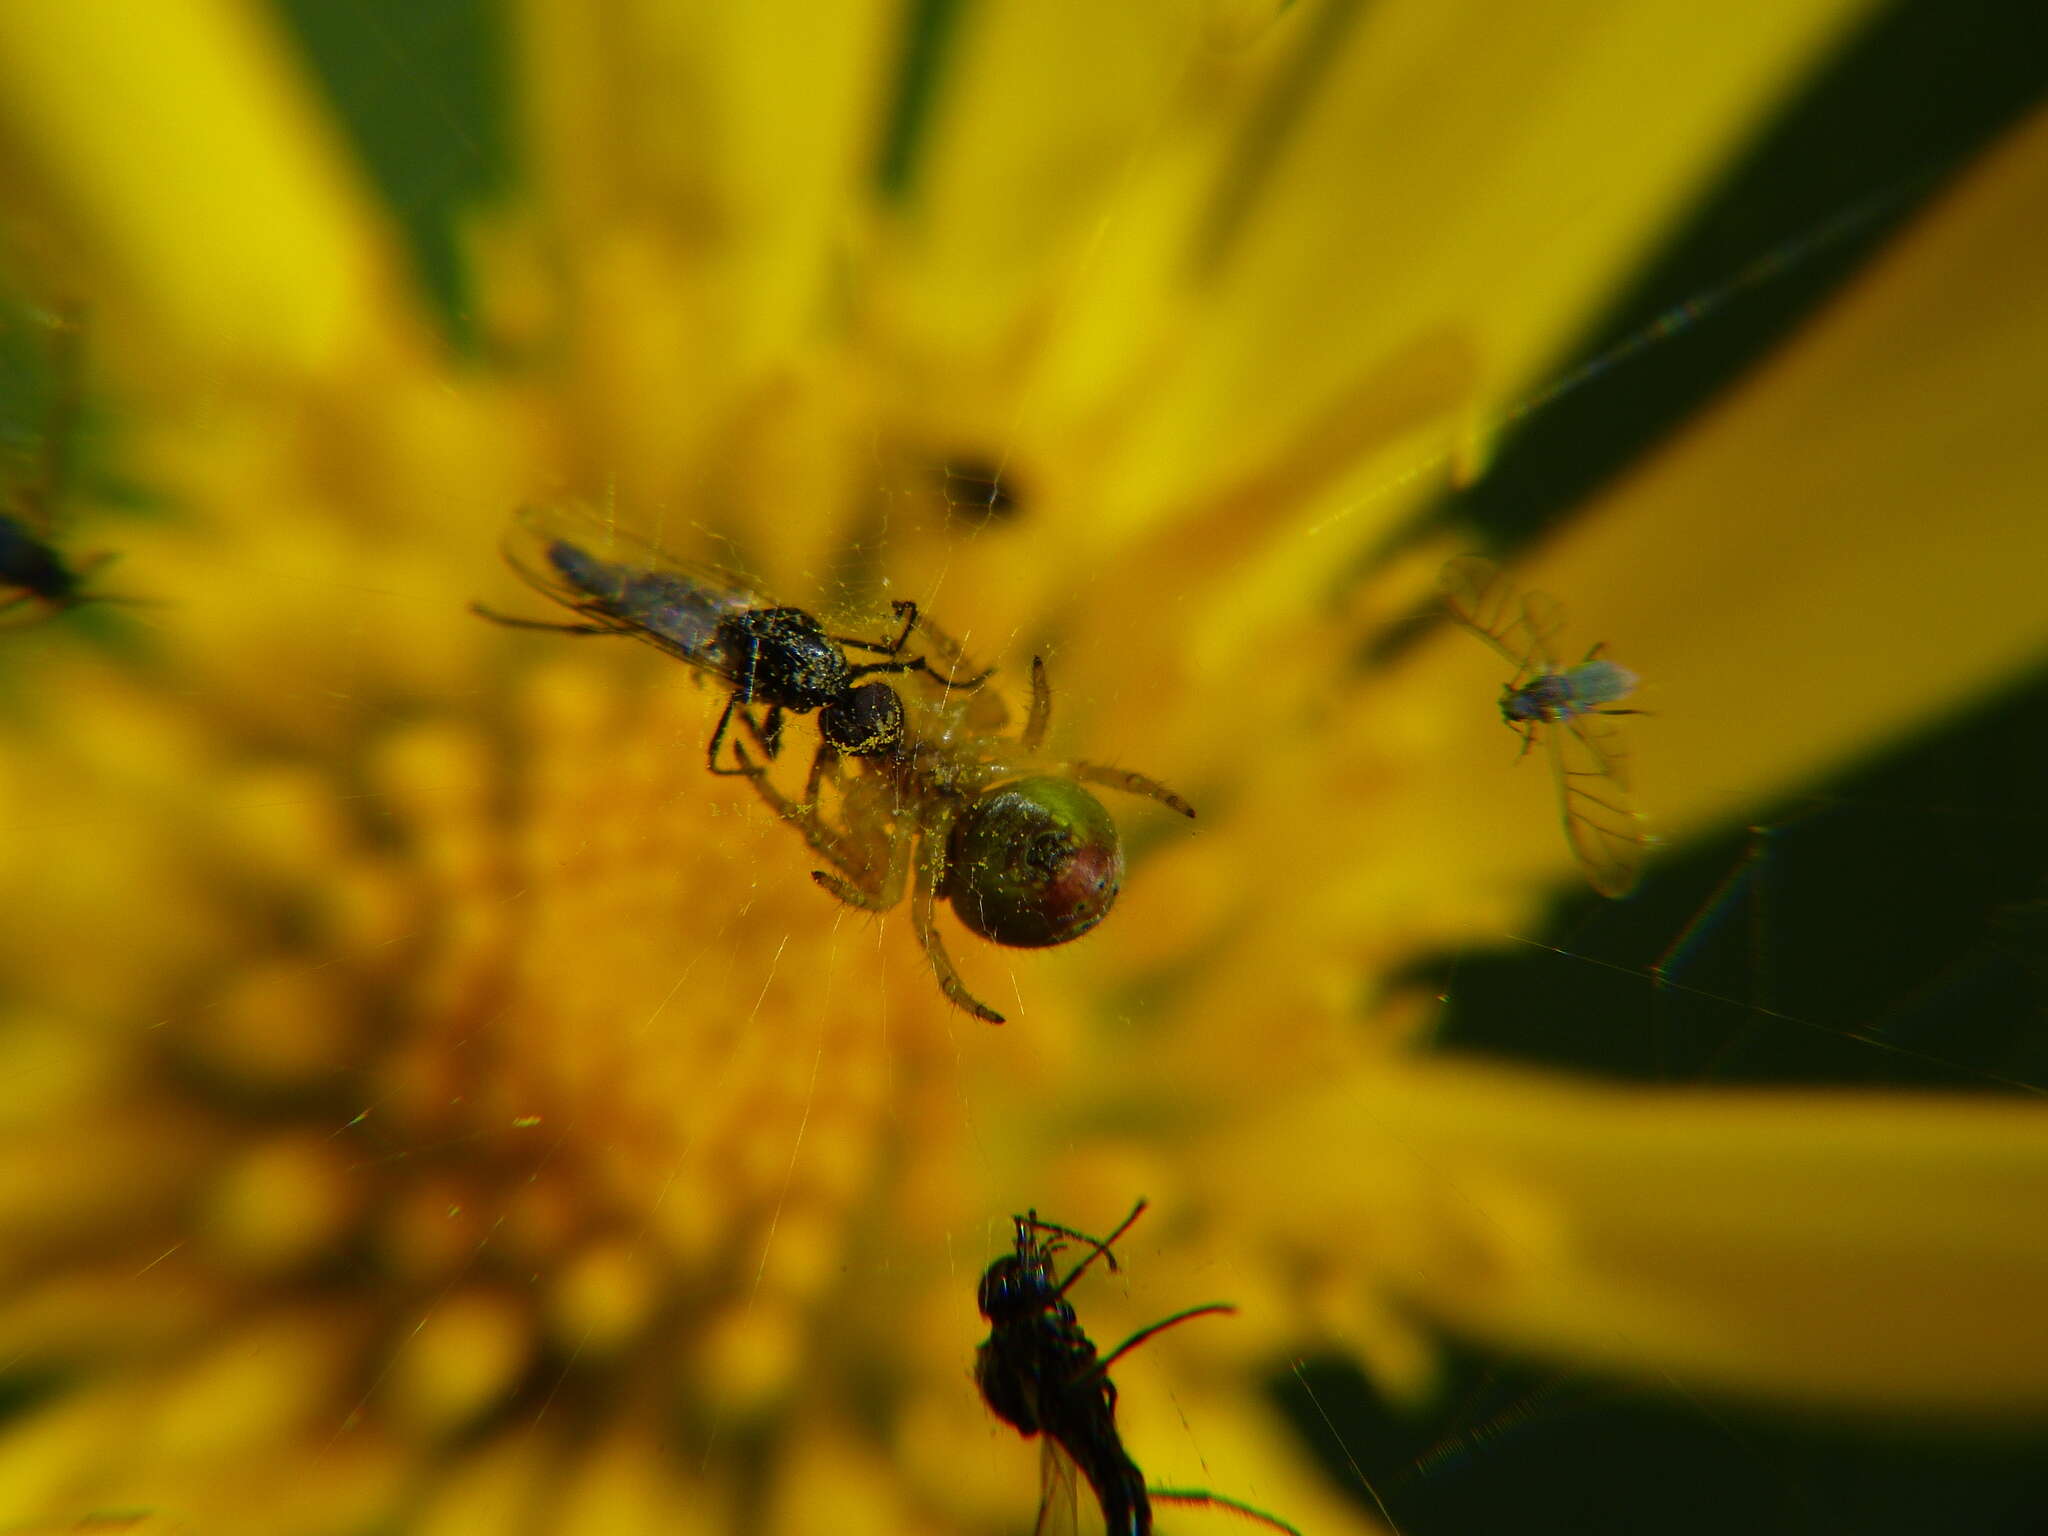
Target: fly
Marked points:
1569	705
1039	1373
768	654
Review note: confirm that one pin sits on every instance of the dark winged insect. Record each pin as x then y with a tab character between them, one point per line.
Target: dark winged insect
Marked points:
1039	1373
769	654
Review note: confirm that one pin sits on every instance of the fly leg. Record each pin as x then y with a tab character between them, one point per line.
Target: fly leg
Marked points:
768	734
513	621
944	644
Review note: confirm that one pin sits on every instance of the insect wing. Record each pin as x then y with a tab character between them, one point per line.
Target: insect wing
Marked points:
1589	759
1542	619
584	562
1059	1493
538	525
1518	626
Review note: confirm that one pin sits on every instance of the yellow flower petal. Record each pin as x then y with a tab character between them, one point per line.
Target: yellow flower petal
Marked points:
1861	1250
648	1187
1846	549
214	205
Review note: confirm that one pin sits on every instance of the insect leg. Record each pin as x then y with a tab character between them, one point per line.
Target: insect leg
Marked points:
948	648
1201	1498
1213	1309
906	611
1098	1246
747	765
510	621
931	866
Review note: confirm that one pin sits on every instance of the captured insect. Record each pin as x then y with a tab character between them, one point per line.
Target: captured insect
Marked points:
1027	857
1569	705
769	654
1039	1373
35	578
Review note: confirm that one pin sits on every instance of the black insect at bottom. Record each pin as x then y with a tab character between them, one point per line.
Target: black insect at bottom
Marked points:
1039	1373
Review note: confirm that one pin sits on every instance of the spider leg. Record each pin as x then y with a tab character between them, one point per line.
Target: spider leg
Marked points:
839	847
949	649
823	761
1130	783
825	840
931	872
887	895
826	763
1032	737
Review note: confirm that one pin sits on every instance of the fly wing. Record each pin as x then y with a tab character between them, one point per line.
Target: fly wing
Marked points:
1542	619
1059	1494
1519	626
1589	758
537	526
587	563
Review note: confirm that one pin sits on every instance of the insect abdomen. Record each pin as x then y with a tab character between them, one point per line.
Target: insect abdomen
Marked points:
1594	683
1119	1485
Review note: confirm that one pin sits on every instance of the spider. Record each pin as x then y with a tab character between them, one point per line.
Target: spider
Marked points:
1571	704
1026	855
1039	1373
777	656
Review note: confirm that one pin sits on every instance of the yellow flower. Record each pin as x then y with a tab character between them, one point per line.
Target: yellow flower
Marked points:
433	1102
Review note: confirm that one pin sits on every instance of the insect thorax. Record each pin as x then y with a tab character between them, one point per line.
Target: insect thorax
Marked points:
783	656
